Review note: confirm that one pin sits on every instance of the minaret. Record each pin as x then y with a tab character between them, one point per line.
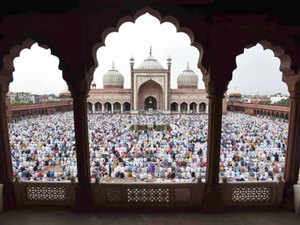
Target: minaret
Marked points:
131	62
169	61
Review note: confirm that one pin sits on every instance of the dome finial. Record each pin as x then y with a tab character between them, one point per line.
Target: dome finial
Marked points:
113	65
187	66
150	52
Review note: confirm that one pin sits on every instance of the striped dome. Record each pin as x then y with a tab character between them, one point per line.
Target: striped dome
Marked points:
150	63
188	78
113	78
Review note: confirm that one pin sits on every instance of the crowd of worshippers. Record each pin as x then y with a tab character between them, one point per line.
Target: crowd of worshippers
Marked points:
252	148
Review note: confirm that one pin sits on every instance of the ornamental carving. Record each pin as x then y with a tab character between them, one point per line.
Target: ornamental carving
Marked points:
112	98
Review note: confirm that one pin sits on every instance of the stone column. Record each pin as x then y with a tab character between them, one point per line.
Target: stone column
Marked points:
213	196
212	200
5	154
79	93
188	108
93	108
293	149
121	108
197	108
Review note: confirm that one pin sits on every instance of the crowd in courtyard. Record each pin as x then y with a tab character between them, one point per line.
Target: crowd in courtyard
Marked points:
252	148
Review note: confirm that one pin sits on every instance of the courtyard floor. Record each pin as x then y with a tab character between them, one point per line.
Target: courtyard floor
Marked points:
44	216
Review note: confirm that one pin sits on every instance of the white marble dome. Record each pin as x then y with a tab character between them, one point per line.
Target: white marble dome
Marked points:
113	78
188	78
150	63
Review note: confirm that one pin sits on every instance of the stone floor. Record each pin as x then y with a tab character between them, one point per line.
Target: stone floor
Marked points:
60	217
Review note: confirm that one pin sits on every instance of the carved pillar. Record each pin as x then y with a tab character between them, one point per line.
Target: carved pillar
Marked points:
293	149
212	201
79	91
121	108
93	108
5	154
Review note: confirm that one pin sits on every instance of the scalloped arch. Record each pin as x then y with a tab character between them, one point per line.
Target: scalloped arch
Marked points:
279	52
132	19
15	50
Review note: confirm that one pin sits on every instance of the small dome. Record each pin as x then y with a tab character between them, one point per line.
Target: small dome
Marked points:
150	63
235	94
188	78
113	78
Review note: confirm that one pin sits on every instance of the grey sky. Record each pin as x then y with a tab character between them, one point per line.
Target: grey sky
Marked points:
37	70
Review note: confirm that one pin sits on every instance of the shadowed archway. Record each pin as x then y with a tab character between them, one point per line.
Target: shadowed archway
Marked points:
153	89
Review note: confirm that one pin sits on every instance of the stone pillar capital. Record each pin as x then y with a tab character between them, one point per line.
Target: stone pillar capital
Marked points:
79	88
293	83
4	86
214	88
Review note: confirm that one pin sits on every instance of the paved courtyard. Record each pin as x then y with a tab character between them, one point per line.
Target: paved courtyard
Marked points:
64	216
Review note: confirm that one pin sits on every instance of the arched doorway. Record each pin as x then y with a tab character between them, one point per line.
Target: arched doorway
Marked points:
174	107
117	107
202	107
98	107
193	107
126	107
107	107
150	103
150	94
183	107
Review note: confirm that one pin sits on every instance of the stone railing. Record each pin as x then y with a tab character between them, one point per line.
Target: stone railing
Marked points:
253	194
56	194
148	195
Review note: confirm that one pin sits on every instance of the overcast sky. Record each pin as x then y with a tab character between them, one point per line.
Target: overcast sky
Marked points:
36	70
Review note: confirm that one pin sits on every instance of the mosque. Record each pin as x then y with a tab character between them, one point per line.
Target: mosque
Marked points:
150	91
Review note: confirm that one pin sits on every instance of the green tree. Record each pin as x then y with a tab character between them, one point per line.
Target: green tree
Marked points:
283	102
267	102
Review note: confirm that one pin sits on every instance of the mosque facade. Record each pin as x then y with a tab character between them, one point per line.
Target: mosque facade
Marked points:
150	91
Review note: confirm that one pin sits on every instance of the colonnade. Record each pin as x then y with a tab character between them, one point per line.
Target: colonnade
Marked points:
108	107
212	196
125	107
282	115
184	107
221	39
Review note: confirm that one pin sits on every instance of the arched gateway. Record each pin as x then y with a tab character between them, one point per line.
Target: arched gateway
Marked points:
150	96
